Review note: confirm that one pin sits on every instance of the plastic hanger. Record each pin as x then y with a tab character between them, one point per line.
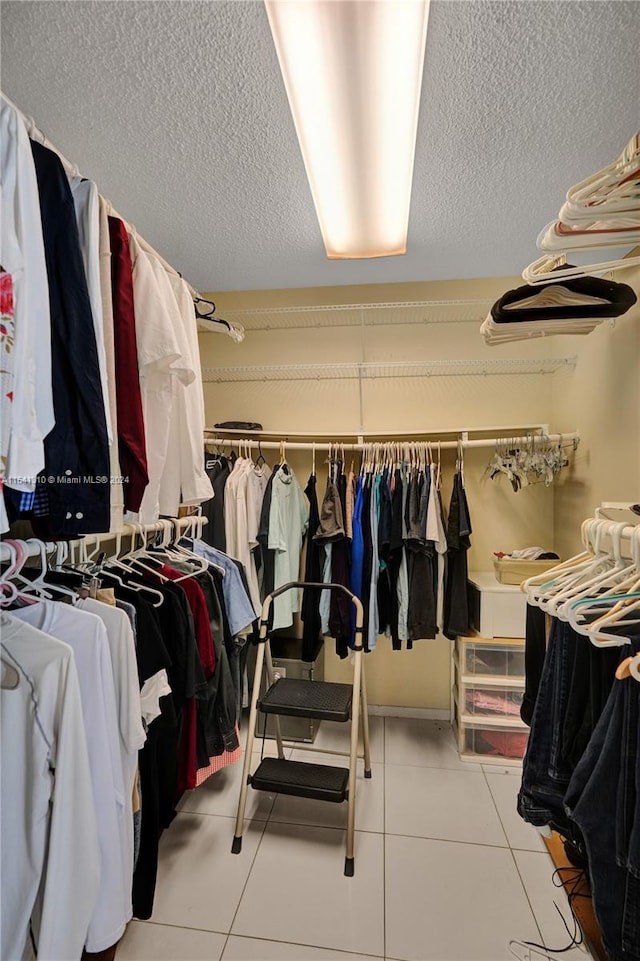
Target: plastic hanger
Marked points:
617	567
584	579
629	667
625	600
546	585
117	562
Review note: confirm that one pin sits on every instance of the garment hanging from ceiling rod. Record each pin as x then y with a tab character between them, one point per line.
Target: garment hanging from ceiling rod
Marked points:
583	705
103	407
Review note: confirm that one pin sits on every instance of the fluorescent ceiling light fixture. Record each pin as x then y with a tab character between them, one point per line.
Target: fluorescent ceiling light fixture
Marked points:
353	74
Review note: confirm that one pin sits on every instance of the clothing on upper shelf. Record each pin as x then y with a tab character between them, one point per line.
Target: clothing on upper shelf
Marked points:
84	359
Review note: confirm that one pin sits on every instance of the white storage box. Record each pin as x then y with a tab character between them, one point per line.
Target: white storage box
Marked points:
496	610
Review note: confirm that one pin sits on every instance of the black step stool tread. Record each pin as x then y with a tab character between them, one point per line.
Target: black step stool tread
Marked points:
322	782
296	697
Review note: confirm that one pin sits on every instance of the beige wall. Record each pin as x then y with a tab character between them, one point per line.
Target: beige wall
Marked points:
501	519
601	396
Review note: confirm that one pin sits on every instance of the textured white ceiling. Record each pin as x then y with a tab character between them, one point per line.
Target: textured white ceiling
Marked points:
178	111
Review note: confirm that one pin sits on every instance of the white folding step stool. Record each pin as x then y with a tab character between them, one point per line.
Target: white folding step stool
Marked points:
323	700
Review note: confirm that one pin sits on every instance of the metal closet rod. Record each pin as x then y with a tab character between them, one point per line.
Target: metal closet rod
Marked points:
73	171
33	546
570	438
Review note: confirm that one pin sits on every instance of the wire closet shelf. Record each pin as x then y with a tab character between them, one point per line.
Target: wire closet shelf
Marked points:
373	370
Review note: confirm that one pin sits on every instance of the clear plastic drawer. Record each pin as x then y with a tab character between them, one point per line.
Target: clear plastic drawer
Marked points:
490	742
492	701
489	658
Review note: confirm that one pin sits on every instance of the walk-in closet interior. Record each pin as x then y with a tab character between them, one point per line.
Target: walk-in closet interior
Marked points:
320	480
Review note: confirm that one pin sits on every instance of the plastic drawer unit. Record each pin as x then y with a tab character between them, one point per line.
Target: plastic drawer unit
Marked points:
486	698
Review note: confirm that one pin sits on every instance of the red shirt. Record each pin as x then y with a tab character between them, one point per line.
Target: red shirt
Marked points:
132	448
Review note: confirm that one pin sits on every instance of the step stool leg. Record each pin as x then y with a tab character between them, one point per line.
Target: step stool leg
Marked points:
271	677
365	724
246	767
353	760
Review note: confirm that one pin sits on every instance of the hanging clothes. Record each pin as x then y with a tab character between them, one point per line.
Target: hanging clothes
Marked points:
456	605
7	341
87	637
218	469
357	546
310	610
395	558
48	827
85	201
184	480
604	802
77	447
132	446
288	521
385	604
267	556
106	297
22	256
163	354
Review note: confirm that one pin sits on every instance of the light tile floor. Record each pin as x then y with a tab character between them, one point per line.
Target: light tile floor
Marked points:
445	868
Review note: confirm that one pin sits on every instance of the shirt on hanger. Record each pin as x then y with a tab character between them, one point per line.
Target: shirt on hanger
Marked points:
162	355
238	606
184	480
106	297
85	202
129	712
288	521
49	833
77	447
132	447
22	255
87	636
7	310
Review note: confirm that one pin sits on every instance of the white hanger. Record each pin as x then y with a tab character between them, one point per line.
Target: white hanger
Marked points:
553	268
618	605
601	563
602	579
543	587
